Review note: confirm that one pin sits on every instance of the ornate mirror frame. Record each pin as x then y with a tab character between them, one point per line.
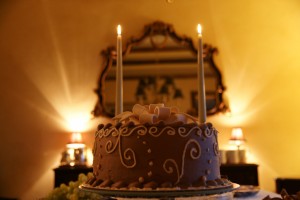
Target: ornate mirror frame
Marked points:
160	39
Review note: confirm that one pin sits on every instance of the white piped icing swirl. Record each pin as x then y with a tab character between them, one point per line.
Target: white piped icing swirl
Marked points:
153	147
153	114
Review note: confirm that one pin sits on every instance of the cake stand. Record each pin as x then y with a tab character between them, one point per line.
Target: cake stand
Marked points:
223	193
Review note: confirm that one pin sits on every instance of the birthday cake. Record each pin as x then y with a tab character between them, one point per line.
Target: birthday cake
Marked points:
156	147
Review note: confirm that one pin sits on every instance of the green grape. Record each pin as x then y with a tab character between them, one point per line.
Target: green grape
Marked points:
71	184
72	191
82	178
89	175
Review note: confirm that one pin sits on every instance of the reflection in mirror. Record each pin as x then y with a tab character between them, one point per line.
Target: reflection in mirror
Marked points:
160	67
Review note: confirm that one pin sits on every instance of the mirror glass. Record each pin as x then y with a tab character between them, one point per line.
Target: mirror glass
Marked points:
160	66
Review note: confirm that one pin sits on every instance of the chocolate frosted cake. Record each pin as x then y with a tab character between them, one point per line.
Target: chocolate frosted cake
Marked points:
156	147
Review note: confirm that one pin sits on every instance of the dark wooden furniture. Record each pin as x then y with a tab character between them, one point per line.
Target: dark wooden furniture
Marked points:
243	174
65	174
291	185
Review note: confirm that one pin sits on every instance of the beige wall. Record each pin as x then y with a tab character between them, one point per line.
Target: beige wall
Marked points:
50	63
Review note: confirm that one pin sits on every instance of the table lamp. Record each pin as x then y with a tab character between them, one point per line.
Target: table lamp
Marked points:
237	137
75	154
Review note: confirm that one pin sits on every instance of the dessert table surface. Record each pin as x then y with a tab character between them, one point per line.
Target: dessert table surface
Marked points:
259	196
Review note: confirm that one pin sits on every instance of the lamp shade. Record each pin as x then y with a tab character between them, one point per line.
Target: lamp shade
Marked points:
237	136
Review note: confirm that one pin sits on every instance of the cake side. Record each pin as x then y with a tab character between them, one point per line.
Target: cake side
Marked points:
174	155
156	153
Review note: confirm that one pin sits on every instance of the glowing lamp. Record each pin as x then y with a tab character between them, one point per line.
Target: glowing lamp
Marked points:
75	154
237	137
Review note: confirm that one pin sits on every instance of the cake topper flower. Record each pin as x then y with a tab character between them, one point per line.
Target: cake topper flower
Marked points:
153	114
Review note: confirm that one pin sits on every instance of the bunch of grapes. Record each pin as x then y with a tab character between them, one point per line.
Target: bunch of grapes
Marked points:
71	191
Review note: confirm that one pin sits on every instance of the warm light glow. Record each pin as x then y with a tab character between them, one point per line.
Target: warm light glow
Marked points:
76	138
76	141
72	146
74	96
237	137
78	123
237	134
76	151
71	153
119	30
243	103
90	157
199	29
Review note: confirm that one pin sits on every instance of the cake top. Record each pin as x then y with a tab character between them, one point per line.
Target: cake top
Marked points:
154	114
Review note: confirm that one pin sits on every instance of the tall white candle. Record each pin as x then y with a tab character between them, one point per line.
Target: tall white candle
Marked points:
119	74
201	82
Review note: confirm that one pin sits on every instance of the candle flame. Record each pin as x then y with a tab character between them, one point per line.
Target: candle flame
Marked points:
199	28
119	31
